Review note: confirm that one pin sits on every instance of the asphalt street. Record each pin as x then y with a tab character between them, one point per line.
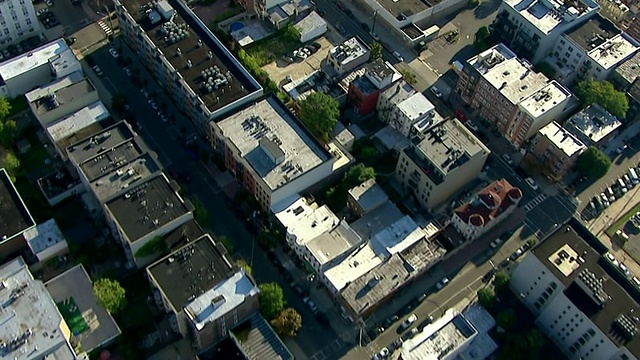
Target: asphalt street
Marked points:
162	138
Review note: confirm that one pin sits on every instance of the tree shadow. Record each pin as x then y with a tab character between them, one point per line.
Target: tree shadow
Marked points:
486	8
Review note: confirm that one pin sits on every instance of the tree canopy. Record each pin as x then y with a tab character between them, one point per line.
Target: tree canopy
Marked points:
271	300
358	174
320	112
241	263
376	51
5	108
501	280
603	93
156	245
482	40
12	164
8	132
486	297
110	295
593	163
506	319
408	76
288	322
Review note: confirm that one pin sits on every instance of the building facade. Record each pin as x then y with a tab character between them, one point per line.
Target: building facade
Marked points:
557	149
363	91
17	22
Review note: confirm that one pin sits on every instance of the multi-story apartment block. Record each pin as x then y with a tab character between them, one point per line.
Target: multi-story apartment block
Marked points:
510	95
531	27
579	298
349	55
489	207
591	50
557	149
271	153
364	90
15	219
393	95
202	77
412	115
616	11
18	21
593	125
201	291
440	162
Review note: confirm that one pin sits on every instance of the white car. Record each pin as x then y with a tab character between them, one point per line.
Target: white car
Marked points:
397	56
495	243
471	125
409	321
435	91
114	53
532	183
384	352
442	283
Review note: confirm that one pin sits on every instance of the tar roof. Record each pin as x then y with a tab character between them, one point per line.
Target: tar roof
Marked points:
123	175
260	341
208	59
412	31
147	207
31	59
99	142
44	236
404	9
562	139
30	319
273	141
567	246
190	271
376	220
77	122
14	215
112	158
59	94
593	33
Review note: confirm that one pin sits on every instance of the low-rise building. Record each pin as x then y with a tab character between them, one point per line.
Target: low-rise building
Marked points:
557	149
364	89
60	98
201	291
578	300
311	27
488	208
317	81
626	73
46	241
440	162
349	55
412	116
15	219
37	67
271	153
366	197
593	125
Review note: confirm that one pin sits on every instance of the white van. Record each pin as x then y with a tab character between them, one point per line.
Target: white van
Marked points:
622	185
634	176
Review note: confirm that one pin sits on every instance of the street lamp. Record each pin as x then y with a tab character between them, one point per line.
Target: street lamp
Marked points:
373	26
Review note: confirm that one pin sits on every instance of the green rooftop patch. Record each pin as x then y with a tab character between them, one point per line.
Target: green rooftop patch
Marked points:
72	316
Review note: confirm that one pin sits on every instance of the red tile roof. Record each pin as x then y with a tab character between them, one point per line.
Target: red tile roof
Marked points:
491	201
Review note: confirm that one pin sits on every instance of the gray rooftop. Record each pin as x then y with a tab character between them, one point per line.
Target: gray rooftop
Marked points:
93	128
273	141
75	284
119	178
402	10
30	319
350	50
60	92
310	23
331	244
592	124
379	69
43	236
259	341
111	159
147	207
369	195
14	215
210	54
100	142
376	220
630	69
398	92
190	271
593	33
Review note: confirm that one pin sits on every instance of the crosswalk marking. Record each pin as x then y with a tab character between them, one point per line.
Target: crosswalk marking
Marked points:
535	202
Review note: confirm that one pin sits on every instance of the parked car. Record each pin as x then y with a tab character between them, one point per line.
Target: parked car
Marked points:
472	125
605	200
516	254
532	183
409	321
425	322
436	92
390	320
311	304
495	243
398	56
507	159
383	353
97	70
442	283
460	115
114	53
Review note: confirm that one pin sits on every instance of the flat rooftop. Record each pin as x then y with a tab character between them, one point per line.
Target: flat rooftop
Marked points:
416	106
398	236
29	316
548	15
398	92
378	70
14	215
568	256
44	236
76	284
128	175
146	207
376	220
190	271
412	31
613	51
79	135
77	122
221	299
304	221
593	124
100	142
206	66
111	159
260	341
562	139
550	96
368	194
60	93
350	50
629	70
406	8
355	265
593	33
333	243
31	59
273	141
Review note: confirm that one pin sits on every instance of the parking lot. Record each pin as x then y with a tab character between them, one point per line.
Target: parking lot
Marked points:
72	17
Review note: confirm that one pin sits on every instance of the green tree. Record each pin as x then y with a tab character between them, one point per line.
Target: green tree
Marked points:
506	319
501	280
241	263
368	154
357	174
288	322
110	295
409	77
376	51
12	164
593	163
603	93
201	214
156	245
118	102
486	297
8	133
271	300
291	33
5	108
269	238
320	112
482	40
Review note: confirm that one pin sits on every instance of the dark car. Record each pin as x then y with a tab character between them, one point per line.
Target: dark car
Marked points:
322	319
390	320
425	322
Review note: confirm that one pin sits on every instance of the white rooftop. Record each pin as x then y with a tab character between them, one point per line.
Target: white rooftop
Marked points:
303	221
31	59
349	51
416	106
564	140
223	298
398	92
593	123
550	96
399	236
354	266
54	86
331	244
30	319
310	23
273	142
547	15
613	51
79	120
44	236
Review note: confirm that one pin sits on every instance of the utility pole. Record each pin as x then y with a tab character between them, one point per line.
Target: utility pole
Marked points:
375	16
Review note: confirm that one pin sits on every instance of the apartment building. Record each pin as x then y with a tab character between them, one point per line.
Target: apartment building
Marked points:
17	22
349	55
15	219
556	149
578	299
510	95
440	162
531	27
366	197
194	68
626	73
592	50
594	126
363	90
486	209
412	115
204	295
